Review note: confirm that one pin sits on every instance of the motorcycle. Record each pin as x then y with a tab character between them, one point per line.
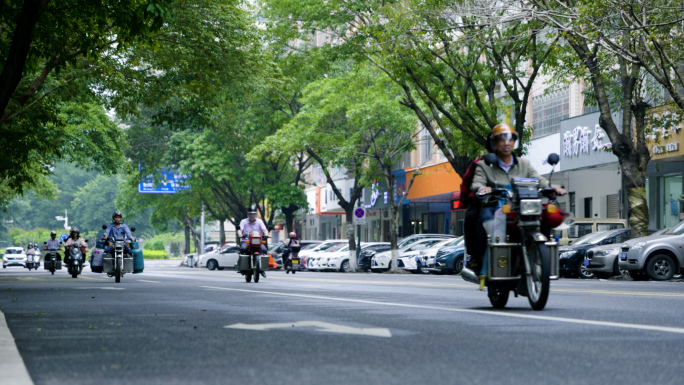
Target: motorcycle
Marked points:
118	264
74	260
519	257
32	259
50	261
252	264
291	262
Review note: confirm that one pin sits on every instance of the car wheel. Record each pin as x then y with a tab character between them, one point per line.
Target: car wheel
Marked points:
639	276
582	271
458	265
345	268
212	264
660	268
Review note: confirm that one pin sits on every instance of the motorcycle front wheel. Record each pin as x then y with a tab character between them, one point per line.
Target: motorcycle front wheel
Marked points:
256	269
538	279
117	273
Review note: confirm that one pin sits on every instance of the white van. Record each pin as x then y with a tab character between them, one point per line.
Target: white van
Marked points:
583	226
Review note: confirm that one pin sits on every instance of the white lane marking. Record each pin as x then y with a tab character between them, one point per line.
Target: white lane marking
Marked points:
143	280
320	326
11	364
665	329
101	288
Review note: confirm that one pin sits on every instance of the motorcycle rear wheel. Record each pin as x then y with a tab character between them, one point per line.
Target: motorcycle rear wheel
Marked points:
538	281
248	277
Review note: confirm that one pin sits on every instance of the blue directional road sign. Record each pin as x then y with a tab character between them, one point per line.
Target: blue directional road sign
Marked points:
169	183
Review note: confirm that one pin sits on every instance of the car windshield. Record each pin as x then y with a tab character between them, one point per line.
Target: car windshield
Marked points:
454	242
336	247
677	229
327	246
10	251
309	246
588	239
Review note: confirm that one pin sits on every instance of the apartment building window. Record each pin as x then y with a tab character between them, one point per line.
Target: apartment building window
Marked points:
549	109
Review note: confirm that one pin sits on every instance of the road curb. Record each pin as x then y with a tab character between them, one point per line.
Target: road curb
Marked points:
11	364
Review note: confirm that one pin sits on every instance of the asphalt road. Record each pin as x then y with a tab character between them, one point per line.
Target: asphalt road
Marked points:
168	326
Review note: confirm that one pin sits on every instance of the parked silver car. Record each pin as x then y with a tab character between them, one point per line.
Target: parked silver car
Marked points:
603	260
656	257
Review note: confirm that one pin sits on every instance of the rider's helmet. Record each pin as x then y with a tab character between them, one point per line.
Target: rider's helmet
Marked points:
293	235
74	230
30	246
252	209
499	132
117	213
53	233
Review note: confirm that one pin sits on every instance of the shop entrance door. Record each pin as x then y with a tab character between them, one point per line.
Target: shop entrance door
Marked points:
433	223
671	195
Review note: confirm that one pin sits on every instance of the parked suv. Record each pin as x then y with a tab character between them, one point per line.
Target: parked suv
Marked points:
656	257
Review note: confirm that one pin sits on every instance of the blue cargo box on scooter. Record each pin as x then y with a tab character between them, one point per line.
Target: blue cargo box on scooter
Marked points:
138	261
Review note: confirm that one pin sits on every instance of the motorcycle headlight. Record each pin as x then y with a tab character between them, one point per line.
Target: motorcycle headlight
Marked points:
530	207
638	245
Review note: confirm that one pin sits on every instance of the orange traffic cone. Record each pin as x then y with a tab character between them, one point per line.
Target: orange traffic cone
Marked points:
271	262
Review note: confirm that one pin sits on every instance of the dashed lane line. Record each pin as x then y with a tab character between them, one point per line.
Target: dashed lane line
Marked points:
655	328
11	364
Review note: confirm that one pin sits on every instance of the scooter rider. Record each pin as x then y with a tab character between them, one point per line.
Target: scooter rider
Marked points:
249	224
292	240
53	243
116	229
502	140
75	240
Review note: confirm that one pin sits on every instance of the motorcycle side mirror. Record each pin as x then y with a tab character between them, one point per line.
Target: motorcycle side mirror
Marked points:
86	241
45	243
553	159
490	159
132	229
104	227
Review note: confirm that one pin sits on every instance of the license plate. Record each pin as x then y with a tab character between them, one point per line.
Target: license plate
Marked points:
623	255
295	262
586	262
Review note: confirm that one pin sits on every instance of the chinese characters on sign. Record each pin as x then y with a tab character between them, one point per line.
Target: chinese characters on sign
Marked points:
576	142
670	147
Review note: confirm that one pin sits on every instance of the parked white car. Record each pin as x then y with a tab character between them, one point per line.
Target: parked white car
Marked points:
304	255
314	262
14	256
412	260
381	261
339	260
225	257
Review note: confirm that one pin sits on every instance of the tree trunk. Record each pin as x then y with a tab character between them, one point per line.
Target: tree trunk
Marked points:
289	212
349	215
222	232
186	248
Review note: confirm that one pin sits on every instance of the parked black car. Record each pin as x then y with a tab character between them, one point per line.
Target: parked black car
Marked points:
365	257
572	256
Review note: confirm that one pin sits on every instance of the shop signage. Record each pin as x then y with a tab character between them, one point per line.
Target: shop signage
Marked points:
372	214
576	142
582	146
375	193
670	147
